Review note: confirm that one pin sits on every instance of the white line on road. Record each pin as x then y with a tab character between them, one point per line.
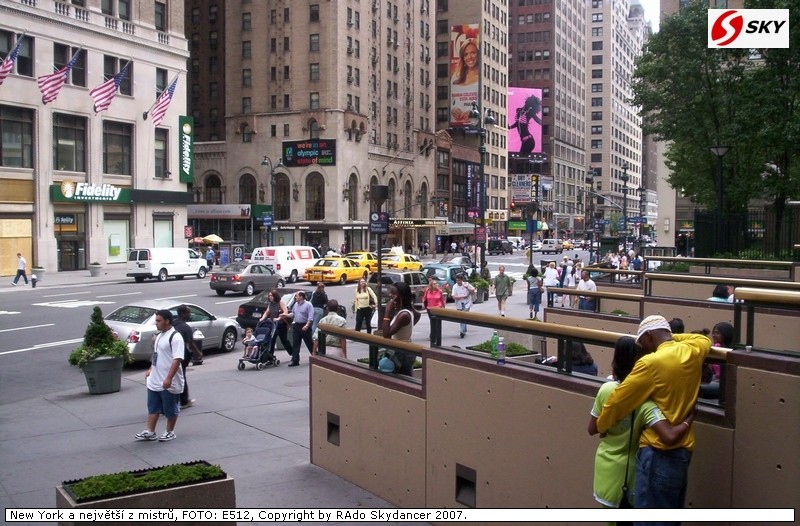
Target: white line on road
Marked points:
28	327
238	300
43	346
175	297
123	294
70	294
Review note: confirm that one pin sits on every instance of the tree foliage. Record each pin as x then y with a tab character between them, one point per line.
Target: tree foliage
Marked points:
693	97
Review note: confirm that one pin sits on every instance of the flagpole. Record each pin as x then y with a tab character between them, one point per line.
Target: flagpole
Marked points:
153	105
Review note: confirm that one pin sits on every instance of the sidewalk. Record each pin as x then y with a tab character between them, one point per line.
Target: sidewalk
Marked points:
255	424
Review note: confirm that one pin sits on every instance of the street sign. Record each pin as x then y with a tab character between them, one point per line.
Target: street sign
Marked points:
379	223
480	234
603	222
267	219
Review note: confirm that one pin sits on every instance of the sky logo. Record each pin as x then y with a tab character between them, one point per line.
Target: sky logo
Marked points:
748	28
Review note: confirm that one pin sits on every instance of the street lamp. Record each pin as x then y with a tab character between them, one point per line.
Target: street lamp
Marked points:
268	162
590	175
475	120
624	178
719	151
642	208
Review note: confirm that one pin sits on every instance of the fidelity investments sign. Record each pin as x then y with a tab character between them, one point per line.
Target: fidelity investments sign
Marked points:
71	191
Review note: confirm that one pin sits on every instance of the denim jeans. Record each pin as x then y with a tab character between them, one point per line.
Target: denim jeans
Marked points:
586	304
661	478
465	306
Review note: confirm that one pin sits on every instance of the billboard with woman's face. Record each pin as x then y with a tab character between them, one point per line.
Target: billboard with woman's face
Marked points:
465	71
525	121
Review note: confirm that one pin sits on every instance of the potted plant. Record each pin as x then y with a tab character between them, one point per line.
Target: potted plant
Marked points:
39	271
100	356
482	287
195	484
511	280
95	268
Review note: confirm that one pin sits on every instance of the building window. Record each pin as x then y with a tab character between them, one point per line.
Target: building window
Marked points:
597	101
597	115
313	42
286	72
112	66
597	130
597	17
160	157
282	199
597	144
313	102
16	137
213	64
195	15
273	45
213	190
286	129
597	73
285	44
161	16
247	21
597	59
118	8
247	105
213	90
69	143
315	197
247	78
597	88
24	62
247	51
597	4
161	80
313	13
62	55
213	13
286	15
247	189
117	147
313	73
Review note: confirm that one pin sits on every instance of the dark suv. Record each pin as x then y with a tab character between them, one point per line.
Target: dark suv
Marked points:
416	280
500	246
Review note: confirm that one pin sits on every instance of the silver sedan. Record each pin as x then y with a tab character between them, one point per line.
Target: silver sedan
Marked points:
247	278
135	323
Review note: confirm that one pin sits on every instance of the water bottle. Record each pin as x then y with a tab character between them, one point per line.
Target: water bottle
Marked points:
501	351
494	341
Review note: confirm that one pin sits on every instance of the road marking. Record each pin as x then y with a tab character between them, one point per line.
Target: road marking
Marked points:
28	327
9	312
238	300
43	346
175	297
70	294
123	294
71	304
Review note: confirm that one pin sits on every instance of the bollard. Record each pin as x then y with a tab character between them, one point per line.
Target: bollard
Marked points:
34	279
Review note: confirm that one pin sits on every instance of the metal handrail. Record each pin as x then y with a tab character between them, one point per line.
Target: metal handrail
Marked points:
711	280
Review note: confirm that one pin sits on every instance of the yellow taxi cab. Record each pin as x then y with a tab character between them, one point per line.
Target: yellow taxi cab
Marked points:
567	244
335	269
402	262
365	259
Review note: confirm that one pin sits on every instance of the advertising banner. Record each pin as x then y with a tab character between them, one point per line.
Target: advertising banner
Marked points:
465	71
311	151
186	148
521	188
525	119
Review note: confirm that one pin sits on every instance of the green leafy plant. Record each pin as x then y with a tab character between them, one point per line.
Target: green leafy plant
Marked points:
129	482
512	349
95	263
98	340
674	267
620	312
478	282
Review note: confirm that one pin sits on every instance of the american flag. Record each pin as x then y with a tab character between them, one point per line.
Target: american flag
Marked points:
163	102
104	94
51	84
8	63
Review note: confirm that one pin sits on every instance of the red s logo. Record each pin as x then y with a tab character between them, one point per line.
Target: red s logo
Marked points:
722	30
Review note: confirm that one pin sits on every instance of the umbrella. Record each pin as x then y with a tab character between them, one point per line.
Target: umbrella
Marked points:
198	240
213	239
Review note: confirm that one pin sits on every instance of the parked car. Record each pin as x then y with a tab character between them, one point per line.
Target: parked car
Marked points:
416	280
248	314
536	246
368	260
402	262
500	246
135	323
444	273
163	262
247	278
333	270
458	259
566	244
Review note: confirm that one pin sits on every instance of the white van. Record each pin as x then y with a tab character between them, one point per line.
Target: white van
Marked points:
552	245
290	262
161	263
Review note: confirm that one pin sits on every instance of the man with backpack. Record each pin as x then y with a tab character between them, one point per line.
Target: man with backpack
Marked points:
182	327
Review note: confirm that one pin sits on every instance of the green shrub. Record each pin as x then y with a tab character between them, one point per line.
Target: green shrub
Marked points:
512	349
620	312
98	340
674	267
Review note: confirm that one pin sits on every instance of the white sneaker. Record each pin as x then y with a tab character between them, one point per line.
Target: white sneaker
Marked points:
190	403
146	435
166	436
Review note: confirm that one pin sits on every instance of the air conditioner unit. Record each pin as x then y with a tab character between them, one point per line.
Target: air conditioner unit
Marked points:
389	91
423	9
349	23
428	82
349	79
427	59
375	5
396	69
374	60
389	119
427	105
427	35
349	51
396	45
395	19
408	97
389	41
349	107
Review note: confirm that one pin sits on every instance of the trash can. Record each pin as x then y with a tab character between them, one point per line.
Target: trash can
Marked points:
34	279
198	337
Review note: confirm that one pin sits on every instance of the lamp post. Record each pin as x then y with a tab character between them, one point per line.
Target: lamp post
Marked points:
642	209
718	151
268	162
590	175
479	120
624	178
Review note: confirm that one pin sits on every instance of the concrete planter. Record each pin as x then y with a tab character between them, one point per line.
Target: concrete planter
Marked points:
95	270
104	374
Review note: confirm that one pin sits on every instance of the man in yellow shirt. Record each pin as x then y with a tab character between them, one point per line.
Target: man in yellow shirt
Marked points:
669	375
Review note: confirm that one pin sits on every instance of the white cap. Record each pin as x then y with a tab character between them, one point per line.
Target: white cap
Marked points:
652	323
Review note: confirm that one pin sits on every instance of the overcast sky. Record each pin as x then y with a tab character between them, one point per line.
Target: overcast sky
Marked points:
651	9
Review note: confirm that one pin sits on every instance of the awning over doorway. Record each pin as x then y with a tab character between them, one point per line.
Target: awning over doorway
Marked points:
455	229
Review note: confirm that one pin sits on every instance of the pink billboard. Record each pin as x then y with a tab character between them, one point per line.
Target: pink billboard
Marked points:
465	72
525	121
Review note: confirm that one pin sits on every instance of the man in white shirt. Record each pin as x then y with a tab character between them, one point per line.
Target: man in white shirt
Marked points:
21	266
586	284
462	296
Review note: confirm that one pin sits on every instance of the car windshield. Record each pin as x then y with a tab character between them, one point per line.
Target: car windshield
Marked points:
326	263
131	314
234	267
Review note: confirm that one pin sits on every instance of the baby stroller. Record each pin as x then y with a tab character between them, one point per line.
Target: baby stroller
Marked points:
262	356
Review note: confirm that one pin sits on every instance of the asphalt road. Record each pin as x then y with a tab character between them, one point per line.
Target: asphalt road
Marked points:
39	327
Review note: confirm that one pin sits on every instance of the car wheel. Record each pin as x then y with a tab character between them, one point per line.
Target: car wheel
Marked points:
293	277
249	290
201	273
280	284
343	280
220	292
162	275
228	340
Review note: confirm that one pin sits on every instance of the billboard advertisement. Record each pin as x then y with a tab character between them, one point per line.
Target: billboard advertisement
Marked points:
308	152
525	121
465	72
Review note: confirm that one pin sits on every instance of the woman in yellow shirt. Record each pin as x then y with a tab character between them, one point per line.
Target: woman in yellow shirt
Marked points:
363	305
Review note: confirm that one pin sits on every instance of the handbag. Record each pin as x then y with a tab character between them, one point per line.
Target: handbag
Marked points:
625	502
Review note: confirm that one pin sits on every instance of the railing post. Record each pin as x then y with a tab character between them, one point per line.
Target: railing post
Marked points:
373	356
321	343
436	331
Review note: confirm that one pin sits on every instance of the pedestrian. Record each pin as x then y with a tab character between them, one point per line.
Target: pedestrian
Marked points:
331	318
363	306
571	282
425	248
616	452
180	324
21	266
278	311
502	288
303	318
535	289
453	247
343	249
164	379
210	256
586	284
669	374
398	322
318	300
462	296
433	297
550	280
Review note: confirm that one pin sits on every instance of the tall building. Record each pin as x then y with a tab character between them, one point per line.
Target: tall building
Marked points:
477	27
548	52
79	185
205	30
616	31
322	100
